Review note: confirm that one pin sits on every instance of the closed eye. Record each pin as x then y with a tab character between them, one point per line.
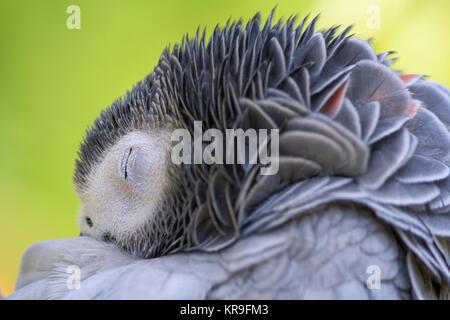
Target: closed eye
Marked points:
125	163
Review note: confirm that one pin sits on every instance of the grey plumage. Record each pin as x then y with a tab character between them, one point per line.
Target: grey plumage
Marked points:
323	256
357	142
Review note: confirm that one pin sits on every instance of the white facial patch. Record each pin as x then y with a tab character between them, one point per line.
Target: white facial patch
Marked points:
127	187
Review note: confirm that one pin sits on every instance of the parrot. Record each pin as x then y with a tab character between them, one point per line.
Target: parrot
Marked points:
358	209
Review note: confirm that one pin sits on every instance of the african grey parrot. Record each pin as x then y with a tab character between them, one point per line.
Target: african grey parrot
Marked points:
359	208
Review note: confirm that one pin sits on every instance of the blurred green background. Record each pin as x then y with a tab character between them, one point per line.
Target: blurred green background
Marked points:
54	82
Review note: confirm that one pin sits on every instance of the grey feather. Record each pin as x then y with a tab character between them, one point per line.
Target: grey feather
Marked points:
369	115
422	169
364	177
432	135
386	158
385	127
434	99
348	117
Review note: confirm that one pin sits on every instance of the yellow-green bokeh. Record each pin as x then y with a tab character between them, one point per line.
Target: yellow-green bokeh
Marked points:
54	82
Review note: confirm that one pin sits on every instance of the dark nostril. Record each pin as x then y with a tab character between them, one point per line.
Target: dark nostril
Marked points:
89	222
81	234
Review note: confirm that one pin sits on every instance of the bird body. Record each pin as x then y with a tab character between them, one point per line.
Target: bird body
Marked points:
323	256
358	209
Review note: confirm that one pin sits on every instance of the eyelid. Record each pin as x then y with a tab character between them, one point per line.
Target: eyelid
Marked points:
125	162
128	161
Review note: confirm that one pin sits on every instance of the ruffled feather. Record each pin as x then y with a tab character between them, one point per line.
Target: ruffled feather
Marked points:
351	129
